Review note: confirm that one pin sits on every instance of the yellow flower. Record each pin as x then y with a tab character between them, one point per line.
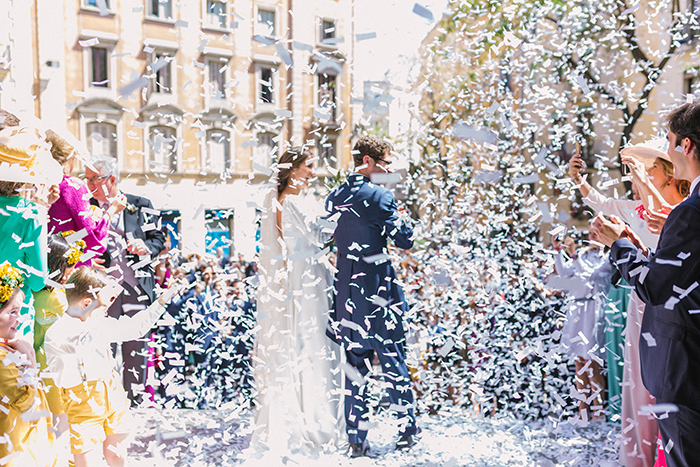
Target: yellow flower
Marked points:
77	248
10	279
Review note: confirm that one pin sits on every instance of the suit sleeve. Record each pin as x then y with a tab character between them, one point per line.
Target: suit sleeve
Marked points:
398	231
154	239
654	278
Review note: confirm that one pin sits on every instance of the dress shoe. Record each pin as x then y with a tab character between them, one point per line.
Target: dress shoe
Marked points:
406	441
359	449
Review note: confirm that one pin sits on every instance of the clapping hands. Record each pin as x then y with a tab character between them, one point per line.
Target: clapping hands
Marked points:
656	219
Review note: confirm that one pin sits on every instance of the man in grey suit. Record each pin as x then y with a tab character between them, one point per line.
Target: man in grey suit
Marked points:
134	240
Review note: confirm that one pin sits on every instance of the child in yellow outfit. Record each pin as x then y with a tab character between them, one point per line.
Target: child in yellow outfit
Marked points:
49	304
80	359
26	437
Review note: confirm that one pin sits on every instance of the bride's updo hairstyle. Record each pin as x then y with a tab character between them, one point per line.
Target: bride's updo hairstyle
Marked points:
295	156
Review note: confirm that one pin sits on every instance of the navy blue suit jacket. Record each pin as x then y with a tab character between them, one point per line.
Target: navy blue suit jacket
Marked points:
368	304
668	282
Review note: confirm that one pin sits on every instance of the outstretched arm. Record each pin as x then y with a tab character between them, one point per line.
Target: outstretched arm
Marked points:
647	192
128	328
394	228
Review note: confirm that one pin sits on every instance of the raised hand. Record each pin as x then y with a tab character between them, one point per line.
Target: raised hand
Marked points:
636	168
118	204
575	168
138	247
570	246
23	347
170	292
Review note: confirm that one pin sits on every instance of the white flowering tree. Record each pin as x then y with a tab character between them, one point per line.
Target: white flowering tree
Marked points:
508	87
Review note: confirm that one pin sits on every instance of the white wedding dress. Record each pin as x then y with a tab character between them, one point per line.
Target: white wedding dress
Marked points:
297	377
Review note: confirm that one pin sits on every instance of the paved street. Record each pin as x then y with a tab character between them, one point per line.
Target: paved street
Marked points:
215	438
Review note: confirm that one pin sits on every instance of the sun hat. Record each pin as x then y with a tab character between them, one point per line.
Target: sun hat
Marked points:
25	157
648	151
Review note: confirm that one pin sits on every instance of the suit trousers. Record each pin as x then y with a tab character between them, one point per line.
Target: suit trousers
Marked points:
392	359
680	432
639	431
133	353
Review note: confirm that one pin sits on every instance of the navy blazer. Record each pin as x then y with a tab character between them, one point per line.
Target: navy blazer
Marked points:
368	303
669	346
134	220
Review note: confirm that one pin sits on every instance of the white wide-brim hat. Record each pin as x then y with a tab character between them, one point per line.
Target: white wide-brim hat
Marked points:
25	157
648	151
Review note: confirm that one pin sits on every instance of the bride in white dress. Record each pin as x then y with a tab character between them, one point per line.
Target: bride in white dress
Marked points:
297	378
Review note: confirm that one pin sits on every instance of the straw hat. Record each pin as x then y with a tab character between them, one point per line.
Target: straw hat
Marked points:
25	157
648	151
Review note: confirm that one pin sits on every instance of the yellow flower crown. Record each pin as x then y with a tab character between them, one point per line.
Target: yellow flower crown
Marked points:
10	279
77	248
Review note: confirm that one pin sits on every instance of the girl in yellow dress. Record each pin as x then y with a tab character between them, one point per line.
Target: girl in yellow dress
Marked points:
49	305
26	438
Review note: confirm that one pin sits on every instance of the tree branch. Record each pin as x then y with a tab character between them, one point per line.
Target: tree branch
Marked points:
598	86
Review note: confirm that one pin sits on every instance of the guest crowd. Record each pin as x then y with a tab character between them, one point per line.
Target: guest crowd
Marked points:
99	314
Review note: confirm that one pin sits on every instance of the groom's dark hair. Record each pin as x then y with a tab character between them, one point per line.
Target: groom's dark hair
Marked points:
684	122
370	146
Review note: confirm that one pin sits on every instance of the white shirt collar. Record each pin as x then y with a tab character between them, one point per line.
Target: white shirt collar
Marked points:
694	184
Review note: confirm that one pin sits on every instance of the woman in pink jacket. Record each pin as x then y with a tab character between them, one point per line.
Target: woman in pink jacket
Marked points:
72	210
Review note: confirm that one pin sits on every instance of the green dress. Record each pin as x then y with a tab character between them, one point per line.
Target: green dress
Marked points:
615	319
23	245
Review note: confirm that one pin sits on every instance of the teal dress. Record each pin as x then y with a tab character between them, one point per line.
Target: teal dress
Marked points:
23	245
615	318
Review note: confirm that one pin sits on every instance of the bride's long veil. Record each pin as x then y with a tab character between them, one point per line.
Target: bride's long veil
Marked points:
273	360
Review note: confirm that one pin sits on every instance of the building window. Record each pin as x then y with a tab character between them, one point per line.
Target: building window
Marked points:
266	22
326	150
163	79
99	67
327	32
217	78
266	86
690	84
163	149
102	138
218	151
219	230
265	152
96	3
216	14
161	9
327	86
171	221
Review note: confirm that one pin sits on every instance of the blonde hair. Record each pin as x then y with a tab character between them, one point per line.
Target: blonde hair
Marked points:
683	186
87	282
61	150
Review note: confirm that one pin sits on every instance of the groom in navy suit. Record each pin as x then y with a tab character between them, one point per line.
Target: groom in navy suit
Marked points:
369	304
668	282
